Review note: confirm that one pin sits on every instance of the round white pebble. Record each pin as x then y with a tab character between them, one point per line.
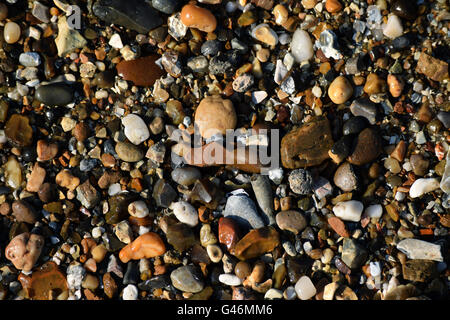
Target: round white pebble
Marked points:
138	209
349	210
130	292
305	289
230	279
135	129
185	213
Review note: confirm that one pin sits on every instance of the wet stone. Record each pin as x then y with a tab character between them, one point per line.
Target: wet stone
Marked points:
404	9
54	94
256	243
341	149
128	152
133	14
367	147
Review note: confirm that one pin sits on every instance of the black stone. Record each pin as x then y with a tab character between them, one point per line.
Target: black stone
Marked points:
210	48
131	276
355	125
137	15
342	147
54	94
157	282
406	9
163	193
400	43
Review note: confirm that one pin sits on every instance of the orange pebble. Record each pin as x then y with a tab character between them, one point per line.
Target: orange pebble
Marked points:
198	17
148	245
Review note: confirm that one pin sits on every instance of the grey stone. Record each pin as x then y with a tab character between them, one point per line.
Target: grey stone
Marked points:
128	152
198	64
445	181
346	178
166	6
366	108
163	193
40	12
87	195
242	209
353	254
210	48
187	279
300	181
30	59
133	14
444	117
186	176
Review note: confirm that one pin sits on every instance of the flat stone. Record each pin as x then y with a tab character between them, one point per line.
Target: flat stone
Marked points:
18	130
54	94
187	279
47	278
180	236
291	220
419	270
419	249
132	14
243	210
257	242
307	145
142	71
367	147
229	232
338	226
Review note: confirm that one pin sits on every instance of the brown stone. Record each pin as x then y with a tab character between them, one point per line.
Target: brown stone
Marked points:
81	131
46	281
374	84
307	145
109	285
229	233
24	212
419	270
367	147
333	6
36	178
257	242
291	220
424	114
46	151
142	71
148	245
24	250
5	209
399	152
19	131
433	68
338	226
197	17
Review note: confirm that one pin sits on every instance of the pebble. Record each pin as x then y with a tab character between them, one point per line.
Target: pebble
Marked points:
142	71
230	279
210	48
422	186
404	9
138	209
24	250
24	212
75	275
87	195
305	289
243	210
133	14
333	6
186	176
354	255
187	279
228	233
281	14
3	11
243	82
393	28
198	64
265	34
11	32
301	46
291	220
444	117
419	249
419	164
30	59
185	213
135	130
163	193
341	149
215	115
148	245
419	270
445	181
123	232
299	148
346	178
130	292
18	130
197	17
214	253
367	147
54	94
40	12
257	242
374	211
128	152
374	84
340	90
349	210
300	181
